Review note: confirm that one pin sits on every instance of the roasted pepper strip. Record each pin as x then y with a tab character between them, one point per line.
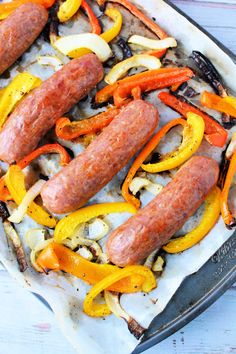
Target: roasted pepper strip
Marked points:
67	130
66	226
224	105
140	15
151	145
228	218
215	134
208	220
46	149
98	310
192	137
16	185
58	257
68	9
7	8
147	81
96	28
14	92
4	192
108	36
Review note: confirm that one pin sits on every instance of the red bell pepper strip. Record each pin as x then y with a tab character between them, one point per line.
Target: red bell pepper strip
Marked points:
151	80
215	133
96	28
46	149
67	130
148	79
140	15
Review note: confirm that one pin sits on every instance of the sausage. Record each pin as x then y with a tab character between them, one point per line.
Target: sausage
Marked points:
157	222
18	31
76	183
38	112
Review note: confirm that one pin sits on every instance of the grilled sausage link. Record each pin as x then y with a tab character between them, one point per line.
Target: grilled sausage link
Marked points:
76	183
37	113
156	223
18	31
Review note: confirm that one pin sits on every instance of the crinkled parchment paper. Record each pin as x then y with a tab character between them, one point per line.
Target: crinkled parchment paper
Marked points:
65	293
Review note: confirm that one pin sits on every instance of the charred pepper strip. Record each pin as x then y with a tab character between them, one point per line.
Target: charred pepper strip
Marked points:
215	134
151	145
150	80
140	15
67	130
209	218
46	149
210	100
7	8
58	257
228	218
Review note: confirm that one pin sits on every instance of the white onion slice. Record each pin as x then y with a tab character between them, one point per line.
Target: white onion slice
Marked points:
153	43
47	60
98	229
33	255
85	253
86	40
158	265
231	149
121	69
139	183
18	214
34	237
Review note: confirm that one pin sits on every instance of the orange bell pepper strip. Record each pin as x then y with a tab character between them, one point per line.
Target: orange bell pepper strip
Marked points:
215	134
46	149
140	15
58	257
151	145
149	80
7	8
96	28
228	218
67	130
158	53
213	101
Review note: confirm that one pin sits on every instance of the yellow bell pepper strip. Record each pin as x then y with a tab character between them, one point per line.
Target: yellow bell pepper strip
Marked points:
228	218
5	196
140	15
120	70
46	149
66	226
7	8
192	137
99	310
15	183
14	92
215	134
67	130
207	222
148	80
107	36
225	105
58	257
151	145
68	9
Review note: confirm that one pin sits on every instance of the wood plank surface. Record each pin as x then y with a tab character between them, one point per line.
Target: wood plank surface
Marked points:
27	326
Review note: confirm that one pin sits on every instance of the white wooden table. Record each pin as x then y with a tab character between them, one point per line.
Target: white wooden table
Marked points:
26	326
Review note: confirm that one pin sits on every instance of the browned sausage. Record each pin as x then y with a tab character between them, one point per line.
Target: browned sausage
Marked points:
105	156
18	31
153	225
38	112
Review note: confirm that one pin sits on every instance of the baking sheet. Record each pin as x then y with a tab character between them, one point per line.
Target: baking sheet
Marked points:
64	293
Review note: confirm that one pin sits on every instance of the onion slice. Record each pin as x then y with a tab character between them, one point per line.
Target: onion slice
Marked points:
113	302
97	229
120	69
34	237
48	60
90	41
153	43
139	183
231	149
18	214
